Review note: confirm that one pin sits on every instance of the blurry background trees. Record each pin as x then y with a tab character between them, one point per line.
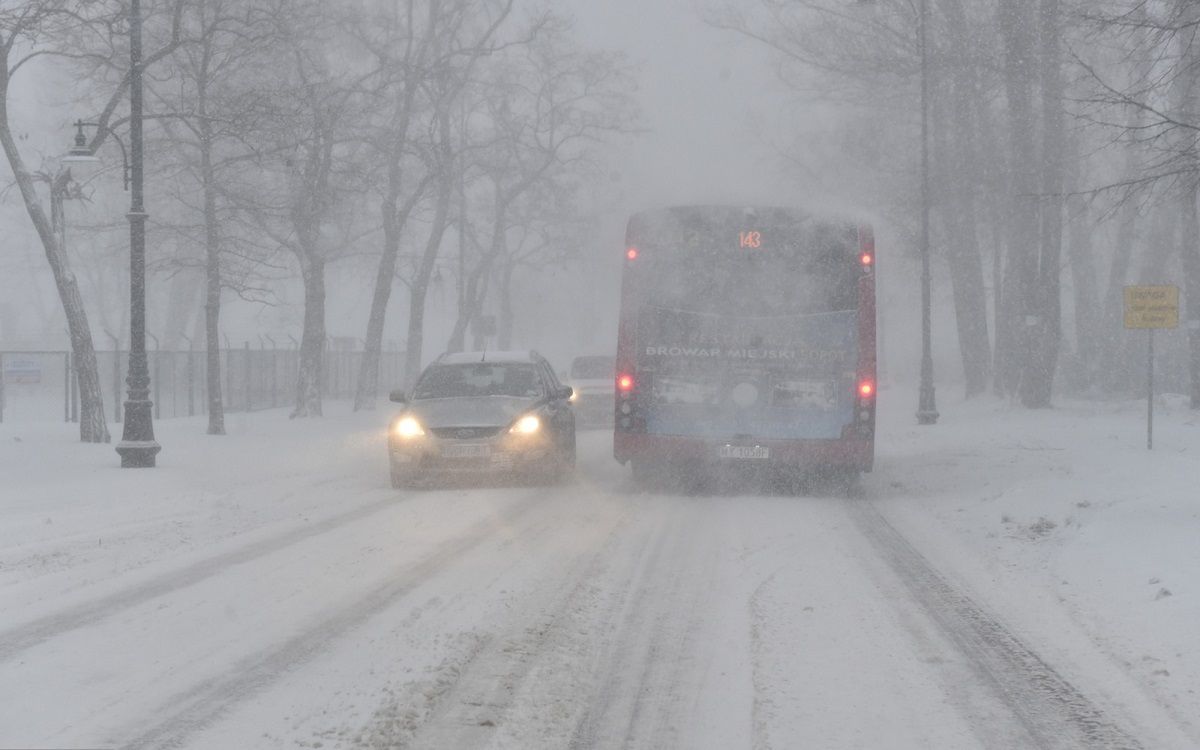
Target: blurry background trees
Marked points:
1064	163
425	148
289	137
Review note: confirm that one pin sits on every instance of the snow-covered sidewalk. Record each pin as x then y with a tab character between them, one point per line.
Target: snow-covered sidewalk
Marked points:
1066	522
72	519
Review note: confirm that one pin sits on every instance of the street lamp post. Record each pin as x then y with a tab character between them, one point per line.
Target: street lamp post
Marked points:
137	447
927	412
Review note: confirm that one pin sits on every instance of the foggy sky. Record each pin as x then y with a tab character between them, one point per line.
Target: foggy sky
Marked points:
701	91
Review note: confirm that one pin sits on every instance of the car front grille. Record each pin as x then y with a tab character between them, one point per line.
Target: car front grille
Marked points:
465	433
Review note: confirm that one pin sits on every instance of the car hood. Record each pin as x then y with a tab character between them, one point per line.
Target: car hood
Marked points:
484	411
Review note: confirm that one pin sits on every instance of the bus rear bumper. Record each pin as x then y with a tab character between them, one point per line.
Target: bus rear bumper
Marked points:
854	454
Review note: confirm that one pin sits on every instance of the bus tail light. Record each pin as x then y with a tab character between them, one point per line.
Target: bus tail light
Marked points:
628	418
866	248
865	409
631	253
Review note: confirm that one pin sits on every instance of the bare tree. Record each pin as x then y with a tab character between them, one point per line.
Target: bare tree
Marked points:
1044	315
550	230
864	56
1147	102
214	97
545	107
426	53
46	29
307	197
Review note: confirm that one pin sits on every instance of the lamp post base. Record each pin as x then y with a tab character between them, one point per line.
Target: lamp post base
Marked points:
927	412
138	446
138	454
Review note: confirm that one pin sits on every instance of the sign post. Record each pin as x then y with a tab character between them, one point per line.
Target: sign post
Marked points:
1151	307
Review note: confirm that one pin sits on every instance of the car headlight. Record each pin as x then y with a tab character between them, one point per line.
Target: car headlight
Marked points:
408	427
574	396
526	425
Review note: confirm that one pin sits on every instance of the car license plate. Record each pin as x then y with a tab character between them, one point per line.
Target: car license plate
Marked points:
468	450
745	451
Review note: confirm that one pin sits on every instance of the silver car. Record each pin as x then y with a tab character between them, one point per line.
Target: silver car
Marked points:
476	413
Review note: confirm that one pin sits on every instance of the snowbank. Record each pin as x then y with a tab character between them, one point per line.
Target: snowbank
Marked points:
1066	522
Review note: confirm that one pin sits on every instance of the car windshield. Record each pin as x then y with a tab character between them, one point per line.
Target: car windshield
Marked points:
593	368
479	379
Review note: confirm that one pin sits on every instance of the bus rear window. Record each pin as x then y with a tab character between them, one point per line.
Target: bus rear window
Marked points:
712	263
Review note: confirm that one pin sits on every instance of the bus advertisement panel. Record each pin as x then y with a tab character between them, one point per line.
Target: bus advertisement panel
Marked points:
746	335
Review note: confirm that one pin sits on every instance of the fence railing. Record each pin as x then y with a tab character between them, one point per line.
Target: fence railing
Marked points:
41	385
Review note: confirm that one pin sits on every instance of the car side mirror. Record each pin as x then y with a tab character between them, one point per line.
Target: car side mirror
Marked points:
398	396
566	392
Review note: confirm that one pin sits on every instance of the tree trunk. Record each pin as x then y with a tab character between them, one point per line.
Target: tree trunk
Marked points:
1114	365
1190	250
956	145
504	329
212	343
183	302
92	426
368	374
476	294
394	220
1021	270
1037	380
212	257
1189	236
312	341
996	210
1083	282
1156	264
966	275
212	297
477	283
415	344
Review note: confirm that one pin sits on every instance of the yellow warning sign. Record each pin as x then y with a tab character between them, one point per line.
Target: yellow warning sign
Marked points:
1151	306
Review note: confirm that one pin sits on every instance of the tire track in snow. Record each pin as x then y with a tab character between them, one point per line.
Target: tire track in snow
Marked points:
30	634
551	641
195	708
761	707
622	657
642	681
1054	712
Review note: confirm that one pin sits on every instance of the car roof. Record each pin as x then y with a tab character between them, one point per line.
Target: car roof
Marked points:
501	356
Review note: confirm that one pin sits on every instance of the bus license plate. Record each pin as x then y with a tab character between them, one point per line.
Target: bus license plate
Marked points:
745	451
470	450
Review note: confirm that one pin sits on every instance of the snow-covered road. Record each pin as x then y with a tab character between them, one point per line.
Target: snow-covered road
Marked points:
293	600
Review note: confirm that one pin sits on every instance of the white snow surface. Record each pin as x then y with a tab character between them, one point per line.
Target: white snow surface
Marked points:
268	589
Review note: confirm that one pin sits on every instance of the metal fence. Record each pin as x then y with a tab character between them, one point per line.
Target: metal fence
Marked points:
41	385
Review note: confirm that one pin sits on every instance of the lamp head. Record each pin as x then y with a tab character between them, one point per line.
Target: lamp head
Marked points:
80	158
80	153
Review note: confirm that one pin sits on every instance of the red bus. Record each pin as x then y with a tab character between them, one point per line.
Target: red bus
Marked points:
746	338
